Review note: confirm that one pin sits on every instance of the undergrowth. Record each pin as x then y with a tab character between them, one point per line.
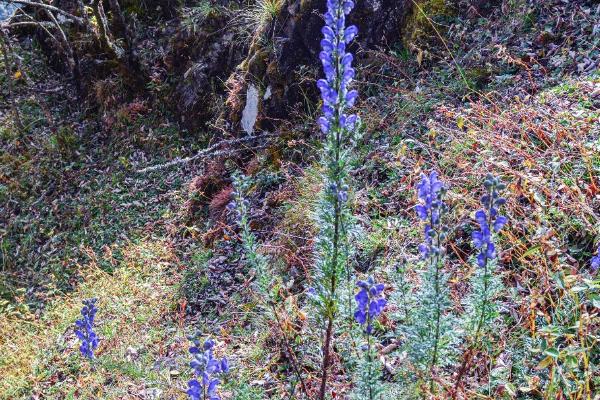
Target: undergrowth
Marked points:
273	277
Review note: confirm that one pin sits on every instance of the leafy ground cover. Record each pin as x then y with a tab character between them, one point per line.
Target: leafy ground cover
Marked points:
515	93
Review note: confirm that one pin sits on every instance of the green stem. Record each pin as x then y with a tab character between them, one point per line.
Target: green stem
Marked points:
369	358
485	272
335	170
438	310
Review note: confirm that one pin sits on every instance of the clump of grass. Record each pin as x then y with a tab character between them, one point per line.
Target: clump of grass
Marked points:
194	17
256	18
296	230
262	12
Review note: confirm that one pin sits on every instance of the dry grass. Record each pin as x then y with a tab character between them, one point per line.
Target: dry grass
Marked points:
140	343
546	147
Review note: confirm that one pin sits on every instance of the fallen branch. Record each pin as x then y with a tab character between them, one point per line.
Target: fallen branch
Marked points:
48	7
202	153
28	23
44	27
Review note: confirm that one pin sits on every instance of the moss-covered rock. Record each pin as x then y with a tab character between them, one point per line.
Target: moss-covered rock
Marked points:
419	22
289	46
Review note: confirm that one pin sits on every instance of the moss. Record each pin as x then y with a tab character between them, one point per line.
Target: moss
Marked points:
418	25
478	77
256	64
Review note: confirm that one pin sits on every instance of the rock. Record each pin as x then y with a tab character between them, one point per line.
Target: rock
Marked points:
201	59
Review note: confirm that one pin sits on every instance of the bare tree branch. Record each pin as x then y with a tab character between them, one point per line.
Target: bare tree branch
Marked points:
71	57
27	23
101	20
208	150
48	7
44	26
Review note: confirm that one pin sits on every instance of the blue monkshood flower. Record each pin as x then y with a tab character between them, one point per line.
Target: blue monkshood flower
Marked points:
430	191
489	220
231	205
311	292
370	302
85	329
337	66
233	209
596	261
207	368
341	193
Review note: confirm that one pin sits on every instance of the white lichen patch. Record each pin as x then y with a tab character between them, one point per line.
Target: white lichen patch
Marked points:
250	112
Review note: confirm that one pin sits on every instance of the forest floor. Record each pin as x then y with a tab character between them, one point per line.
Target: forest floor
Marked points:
80	220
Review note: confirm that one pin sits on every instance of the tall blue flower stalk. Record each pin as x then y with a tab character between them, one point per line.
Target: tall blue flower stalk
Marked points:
207	369
431	193
486	285
370	303
490	223
337	126
430	333
85	329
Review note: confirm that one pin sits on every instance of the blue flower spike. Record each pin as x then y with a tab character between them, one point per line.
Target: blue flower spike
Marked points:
337	65
430	191
595	263
84	329
207	369
370	303
489	220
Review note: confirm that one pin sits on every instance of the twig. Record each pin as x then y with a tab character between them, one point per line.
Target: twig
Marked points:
28	23
43	26
48	7
202	153
72	61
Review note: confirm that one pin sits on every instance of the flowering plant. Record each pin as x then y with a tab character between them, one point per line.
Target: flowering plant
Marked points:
337	66
337	126
370	303
85	329
430	333
485	284
431	191
481	305
207	368
489	220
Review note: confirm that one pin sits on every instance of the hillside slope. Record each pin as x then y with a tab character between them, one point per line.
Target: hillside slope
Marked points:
100	201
